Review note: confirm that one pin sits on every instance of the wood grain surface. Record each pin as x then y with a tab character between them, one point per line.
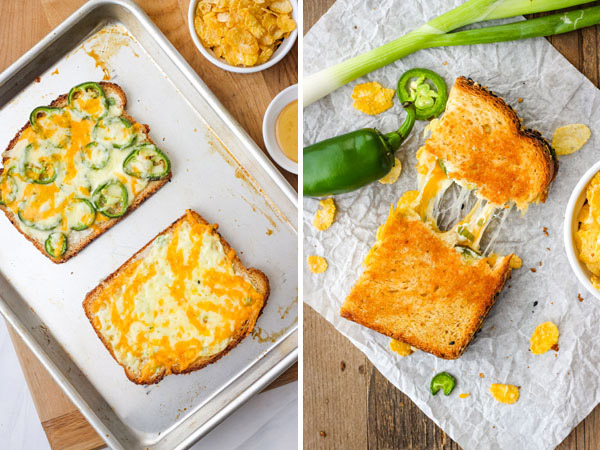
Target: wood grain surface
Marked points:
22	24
347	403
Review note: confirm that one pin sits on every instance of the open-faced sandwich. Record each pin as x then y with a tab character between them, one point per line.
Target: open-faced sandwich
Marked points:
76	168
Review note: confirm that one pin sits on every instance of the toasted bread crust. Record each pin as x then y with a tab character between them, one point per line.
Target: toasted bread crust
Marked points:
533	174
257	278
147	192
418	290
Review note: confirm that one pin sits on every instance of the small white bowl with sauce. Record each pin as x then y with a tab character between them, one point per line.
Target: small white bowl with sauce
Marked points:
571	225
280	129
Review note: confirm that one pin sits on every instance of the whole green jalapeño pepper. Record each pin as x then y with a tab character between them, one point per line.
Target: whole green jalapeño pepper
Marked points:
350	161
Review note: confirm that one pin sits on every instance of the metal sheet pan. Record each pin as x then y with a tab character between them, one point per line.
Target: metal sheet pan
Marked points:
217	170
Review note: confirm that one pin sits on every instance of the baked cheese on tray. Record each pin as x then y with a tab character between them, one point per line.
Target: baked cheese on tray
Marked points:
76	168
180	303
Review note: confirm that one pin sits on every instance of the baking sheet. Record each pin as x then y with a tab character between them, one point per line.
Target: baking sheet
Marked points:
558	390
217	171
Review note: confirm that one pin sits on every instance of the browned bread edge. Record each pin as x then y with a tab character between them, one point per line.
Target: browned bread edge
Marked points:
258	279
150	188
532	135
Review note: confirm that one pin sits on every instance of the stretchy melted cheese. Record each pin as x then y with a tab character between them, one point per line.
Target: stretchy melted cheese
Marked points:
433	182
64	156
180	300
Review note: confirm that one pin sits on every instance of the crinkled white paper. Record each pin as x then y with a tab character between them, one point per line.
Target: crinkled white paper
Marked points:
558	390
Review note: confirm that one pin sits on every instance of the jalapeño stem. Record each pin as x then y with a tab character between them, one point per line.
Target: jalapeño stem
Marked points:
395	138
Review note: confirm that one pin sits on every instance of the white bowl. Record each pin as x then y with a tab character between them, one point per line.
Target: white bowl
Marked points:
282	99
573	208
277	56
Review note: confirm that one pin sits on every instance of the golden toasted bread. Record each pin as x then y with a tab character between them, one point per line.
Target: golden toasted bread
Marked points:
418	289
482	142
180	303
12	159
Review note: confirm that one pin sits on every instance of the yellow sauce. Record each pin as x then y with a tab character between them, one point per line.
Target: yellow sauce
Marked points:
286	130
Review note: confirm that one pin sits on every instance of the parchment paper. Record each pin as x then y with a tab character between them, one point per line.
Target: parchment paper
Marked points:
558	390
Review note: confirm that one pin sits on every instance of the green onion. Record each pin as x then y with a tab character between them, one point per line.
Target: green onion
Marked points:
463	231
433	34
542	26
443	167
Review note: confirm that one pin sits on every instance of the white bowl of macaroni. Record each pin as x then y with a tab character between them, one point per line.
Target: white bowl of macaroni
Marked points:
582	230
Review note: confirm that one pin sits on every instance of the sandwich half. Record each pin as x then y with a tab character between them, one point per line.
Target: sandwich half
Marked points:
420	288
481	142
431	288
180	303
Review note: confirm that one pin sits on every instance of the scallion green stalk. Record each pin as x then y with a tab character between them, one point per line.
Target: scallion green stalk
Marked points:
542	26
326	81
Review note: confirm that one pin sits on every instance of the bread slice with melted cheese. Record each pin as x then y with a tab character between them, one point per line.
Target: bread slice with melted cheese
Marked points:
430	288
52	197
481	141
180	303
420	289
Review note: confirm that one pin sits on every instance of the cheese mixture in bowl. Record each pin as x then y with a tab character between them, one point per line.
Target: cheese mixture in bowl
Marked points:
587	236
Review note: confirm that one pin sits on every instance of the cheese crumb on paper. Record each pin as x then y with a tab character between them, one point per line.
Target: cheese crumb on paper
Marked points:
505	393
317	264
325	214
544	338
515	262
570	138
394	174
372	98
465	395
402	348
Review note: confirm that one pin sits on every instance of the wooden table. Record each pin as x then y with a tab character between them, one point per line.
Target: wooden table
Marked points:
347	402
22	24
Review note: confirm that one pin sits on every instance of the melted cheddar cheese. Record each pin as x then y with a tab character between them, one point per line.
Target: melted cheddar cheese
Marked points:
433	181
179	301
54	148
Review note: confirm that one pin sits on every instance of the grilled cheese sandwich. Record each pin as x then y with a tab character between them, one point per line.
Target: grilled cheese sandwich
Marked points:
431	288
